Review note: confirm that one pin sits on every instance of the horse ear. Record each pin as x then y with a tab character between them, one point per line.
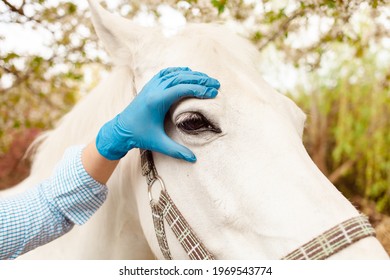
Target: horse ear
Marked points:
120	36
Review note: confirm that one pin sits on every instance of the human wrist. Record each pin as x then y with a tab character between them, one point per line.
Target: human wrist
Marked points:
96	165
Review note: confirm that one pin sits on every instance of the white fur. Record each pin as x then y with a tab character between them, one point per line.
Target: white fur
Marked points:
254	192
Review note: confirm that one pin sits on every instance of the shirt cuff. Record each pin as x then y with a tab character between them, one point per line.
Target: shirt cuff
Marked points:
74	192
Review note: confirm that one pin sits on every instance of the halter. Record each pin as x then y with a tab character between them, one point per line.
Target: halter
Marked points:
321	247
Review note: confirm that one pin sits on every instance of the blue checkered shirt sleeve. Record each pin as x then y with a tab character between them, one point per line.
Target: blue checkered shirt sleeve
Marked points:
49	210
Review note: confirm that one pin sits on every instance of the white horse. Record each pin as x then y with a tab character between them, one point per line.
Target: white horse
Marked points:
254	192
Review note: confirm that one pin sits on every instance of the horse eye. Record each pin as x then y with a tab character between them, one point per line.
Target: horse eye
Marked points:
195	123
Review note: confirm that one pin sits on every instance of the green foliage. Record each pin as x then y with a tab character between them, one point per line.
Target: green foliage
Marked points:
356	111
36	89
219	4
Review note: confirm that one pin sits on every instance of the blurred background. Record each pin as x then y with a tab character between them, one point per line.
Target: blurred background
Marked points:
332	57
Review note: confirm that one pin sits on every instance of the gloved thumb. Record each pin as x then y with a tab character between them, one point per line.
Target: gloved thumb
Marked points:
171	148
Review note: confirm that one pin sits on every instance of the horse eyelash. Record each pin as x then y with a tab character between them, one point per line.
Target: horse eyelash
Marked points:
184	117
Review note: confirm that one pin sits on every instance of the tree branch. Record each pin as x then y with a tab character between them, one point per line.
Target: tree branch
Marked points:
13	8
341	170
19	78
20	11
281	28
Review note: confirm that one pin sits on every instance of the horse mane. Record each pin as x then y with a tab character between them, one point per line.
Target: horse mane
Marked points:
81	125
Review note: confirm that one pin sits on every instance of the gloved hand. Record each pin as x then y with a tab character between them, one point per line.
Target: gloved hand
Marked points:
141	124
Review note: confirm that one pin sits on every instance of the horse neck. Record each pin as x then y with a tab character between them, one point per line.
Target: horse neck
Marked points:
82	123
114	232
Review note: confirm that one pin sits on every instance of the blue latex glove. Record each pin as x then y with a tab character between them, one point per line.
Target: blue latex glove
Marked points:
141	124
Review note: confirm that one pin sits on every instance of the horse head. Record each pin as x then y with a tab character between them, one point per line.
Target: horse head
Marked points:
254	192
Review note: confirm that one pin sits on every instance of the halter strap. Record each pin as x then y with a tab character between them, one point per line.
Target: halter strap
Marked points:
321	247
166	209
334	240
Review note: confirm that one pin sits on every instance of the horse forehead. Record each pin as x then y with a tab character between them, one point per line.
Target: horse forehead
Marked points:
212	48
224	55
253	101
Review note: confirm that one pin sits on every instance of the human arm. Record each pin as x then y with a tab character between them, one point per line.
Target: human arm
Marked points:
97	166
75	190
50	209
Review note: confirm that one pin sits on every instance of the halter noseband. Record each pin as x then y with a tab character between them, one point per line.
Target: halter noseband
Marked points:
321	247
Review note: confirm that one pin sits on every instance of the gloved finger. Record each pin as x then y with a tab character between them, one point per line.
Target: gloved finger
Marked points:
171	70
179	72
173	149
198	73
179	91
190	78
